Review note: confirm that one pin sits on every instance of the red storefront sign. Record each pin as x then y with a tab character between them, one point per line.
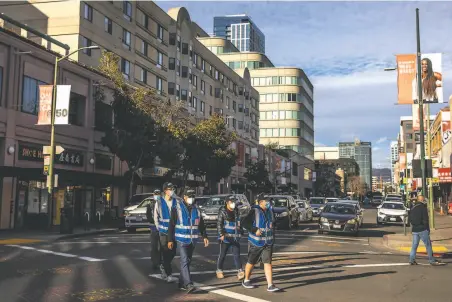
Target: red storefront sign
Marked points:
444	175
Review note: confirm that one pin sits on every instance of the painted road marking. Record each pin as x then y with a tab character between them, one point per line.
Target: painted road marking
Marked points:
422	249
244	254
340	242
215	290
56	253
19	241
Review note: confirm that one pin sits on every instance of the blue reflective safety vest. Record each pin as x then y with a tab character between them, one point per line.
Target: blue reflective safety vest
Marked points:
164	214
187	227
232	229
264	222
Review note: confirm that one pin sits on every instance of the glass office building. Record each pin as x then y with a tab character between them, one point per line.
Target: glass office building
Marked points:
361	152
241	31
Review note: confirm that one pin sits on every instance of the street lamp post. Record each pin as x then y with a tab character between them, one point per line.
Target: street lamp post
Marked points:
52	131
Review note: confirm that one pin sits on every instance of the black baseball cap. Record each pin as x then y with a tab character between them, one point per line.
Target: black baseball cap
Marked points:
157	191
260	197
190	193
231	198
167	185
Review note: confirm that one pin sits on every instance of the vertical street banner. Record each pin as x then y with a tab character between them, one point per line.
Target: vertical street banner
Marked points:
45	104
416	114
406	73
409	161
62	105
446	132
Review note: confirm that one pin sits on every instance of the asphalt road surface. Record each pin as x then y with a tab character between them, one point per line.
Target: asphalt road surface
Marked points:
307	266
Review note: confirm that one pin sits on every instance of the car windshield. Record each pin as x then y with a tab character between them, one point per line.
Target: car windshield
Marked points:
317	200
331	199
201	200
281	202
216	201
394	198
145	202
339	209
301	204
393	206
137	199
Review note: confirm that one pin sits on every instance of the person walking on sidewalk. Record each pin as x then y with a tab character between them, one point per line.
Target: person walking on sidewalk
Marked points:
185	227
156	257
419	221
260	225
229	233
162	215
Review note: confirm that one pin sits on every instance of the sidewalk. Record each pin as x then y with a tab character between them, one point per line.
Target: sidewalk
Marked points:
441	238
30	236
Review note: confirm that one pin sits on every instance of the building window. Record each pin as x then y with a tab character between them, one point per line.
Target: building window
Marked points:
144	48
172	39
77	109
218	93
210	110
30	95
185	48
177	90
234	123
195	59
88	12
210	70
203	65
203	107
103	116
195	81
234	106
203	86
127	10
108	25
178	67
125	67
126	37
216	74
159	58
211	90
172	63
240	107
144	19
227	102
171	88
183	95
178	43
143	75
159	84
159	32
184	71
86	43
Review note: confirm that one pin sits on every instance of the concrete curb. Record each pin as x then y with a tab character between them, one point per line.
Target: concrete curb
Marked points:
86	234
439	251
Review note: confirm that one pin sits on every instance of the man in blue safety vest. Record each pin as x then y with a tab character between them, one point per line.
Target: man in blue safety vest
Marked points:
186	226
229	233
260	225
156	257
162	215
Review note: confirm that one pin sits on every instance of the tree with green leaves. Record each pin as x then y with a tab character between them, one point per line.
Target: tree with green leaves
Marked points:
258	177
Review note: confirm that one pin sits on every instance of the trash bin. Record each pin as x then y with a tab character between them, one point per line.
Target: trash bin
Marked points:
66	221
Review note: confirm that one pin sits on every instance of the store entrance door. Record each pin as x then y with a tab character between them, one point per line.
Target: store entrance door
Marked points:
83	202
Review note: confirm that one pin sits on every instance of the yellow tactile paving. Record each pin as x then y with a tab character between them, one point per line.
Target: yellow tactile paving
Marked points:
422	249
19	241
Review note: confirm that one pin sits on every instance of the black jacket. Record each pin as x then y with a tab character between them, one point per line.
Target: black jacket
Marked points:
222	216
173	221
418	218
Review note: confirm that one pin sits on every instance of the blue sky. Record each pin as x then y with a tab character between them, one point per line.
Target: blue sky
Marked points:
343	47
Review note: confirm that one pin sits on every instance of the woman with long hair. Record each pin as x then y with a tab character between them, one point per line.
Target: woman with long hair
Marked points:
430	81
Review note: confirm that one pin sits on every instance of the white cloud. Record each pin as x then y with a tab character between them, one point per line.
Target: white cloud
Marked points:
381	140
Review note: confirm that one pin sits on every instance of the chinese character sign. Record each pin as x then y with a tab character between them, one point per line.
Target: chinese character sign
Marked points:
45	104
444	175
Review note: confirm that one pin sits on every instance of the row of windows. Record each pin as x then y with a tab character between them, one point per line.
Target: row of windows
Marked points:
280	132
243	64
280	97
278	80
281	115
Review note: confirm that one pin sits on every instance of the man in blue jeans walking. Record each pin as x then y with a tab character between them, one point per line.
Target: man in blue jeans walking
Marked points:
421	231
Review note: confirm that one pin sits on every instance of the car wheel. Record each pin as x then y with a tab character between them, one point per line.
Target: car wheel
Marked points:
131	230
378	222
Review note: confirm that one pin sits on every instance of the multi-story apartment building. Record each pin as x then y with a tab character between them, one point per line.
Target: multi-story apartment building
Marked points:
361	152
241	31
158	50
286	98
394	150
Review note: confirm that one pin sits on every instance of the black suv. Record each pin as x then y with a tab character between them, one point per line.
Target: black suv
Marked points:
285	210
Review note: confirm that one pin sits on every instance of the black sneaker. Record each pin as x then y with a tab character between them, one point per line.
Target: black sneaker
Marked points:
437	263
273	288
413	263
190	288
248	284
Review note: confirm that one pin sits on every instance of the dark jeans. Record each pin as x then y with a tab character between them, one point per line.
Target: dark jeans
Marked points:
186	253
167	254
224	247
156	259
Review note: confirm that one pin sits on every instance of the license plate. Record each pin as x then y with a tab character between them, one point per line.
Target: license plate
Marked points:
393	219
336	226
138	219
213	217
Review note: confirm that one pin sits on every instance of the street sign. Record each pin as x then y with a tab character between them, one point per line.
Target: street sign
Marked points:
55	184
47	150
46	164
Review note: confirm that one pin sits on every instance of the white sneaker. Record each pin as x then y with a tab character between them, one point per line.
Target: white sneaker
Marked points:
163	273
171	279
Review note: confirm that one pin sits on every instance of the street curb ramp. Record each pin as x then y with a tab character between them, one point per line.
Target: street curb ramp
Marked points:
404	247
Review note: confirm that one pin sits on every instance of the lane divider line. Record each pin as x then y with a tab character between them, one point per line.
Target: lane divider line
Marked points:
90	259
218	291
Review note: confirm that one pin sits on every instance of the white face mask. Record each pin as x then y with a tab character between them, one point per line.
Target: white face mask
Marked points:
232	205
190	200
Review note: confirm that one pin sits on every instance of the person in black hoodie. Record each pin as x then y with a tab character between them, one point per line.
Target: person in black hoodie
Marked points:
229	232
419	221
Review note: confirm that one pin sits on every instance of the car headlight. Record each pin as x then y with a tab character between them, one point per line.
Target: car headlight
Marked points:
126	213
321	208
351	221
323	219
203	214
381	213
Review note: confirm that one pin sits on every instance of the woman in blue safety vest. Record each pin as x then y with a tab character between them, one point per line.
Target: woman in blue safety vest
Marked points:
229	233
162	215
260	225
186	226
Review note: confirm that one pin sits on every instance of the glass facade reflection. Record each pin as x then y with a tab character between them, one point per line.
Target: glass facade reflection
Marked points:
361	152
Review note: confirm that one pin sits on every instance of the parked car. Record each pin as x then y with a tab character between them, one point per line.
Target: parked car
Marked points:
209	210
376	201
339	217
359	210
392	212
200	201
136	219
393	196
134	201
331	199
305	210
285	211
317	205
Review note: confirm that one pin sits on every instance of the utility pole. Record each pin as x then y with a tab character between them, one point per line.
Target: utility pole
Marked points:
431	202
